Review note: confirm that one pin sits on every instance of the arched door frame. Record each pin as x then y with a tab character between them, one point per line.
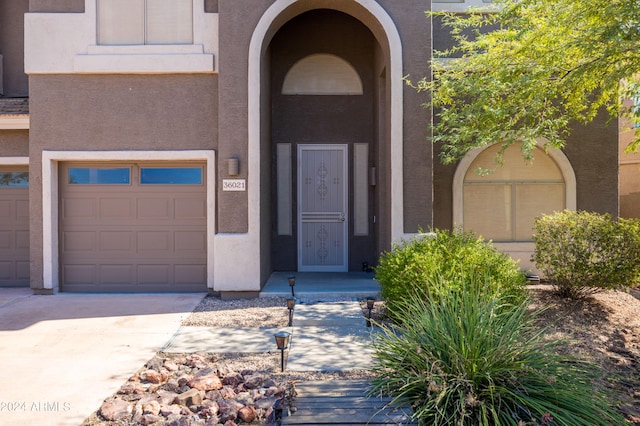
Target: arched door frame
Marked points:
272	20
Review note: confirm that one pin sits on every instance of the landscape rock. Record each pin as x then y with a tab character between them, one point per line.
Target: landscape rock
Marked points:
168	410
253	381
205	383
153	376
190	397
115	409
192	392
247	414
149	419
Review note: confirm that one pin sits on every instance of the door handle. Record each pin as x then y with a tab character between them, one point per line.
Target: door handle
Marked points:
341	217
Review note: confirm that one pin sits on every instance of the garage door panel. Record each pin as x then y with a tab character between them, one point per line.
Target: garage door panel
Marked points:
6	209
22	211
23	270
153	241
190	274
154	274
6	270
190	240
116	274
79	274
189	208
116	240
14	229
79	241
117	208
151	208
74	208
6	240
22	240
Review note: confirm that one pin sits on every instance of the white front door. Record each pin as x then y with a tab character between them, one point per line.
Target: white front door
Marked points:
322	208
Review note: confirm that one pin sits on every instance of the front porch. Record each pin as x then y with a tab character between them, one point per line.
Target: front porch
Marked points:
322	286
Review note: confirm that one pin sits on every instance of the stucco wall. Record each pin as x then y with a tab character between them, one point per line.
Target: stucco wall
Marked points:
415	32
15	81
593	153
14	143
237	20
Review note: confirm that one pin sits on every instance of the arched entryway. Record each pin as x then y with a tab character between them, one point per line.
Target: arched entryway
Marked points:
323	116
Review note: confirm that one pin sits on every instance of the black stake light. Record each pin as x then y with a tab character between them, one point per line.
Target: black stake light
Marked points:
292	282
370	303
282	341
291	303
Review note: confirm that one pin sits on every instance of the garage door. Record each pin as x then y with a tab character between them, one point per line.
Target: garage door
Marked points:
133	227
14	226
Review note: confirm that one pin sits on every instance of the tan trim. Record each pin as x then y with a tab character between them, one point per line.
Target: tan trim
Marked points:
14	122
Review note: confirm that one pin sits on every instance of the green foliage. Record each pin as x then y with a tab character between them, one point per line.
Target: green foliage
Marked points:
531	69
470	357
445	257
582	252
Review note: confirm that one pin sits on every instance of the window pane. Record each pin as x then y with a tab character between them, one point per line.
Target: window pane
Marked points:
169	22
171	176
120	22
514	168
99	176
532	201
487	211
15	179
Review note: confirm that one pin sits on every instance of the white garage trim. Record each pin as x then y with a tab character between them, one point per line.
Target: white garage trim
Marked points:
50	160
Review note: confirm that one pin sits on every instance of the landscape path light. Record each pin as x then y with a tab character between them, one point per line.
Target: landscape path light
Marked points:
291	303
292	283
370	303
282	341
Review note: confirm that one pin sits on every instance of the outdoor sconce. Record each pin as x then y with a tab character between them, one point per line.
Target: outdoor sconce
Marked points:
370	303
291	303
282	341
292	282
233	166
372	176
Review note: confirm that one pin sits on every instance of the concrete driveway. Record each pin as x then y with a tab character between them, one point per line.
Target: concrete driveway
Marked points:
62	355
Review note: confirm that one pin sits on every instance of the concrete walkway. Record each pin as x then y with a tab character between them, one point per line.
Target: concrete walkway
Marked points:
325	336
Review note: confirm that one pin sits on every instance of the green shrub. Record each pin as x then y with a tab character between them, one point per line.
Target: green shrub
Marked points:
444	257
469	357
582	252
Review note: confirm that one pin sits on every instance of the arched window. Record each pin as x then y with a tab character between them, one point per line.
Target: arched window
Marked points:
502	205
322	74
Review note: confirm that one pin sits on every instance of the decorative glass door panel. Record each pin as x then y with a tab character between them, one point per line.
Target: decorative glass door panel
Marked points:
322	208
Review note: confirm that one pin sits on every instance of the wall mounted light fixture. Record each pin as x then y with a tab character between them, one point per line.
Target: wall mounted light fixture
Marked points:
372	175
233	166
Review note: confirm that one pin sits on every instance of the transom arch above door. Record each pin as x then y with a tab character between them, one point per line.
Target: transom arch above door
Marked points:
322	74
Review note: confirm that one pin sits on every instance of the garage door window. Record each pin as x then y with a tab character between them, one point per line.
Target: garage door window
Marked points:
99	176
14	179
171	176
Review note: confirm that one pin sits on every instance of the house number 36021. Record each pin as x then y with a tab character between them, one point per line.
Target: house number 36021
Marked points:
234	184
